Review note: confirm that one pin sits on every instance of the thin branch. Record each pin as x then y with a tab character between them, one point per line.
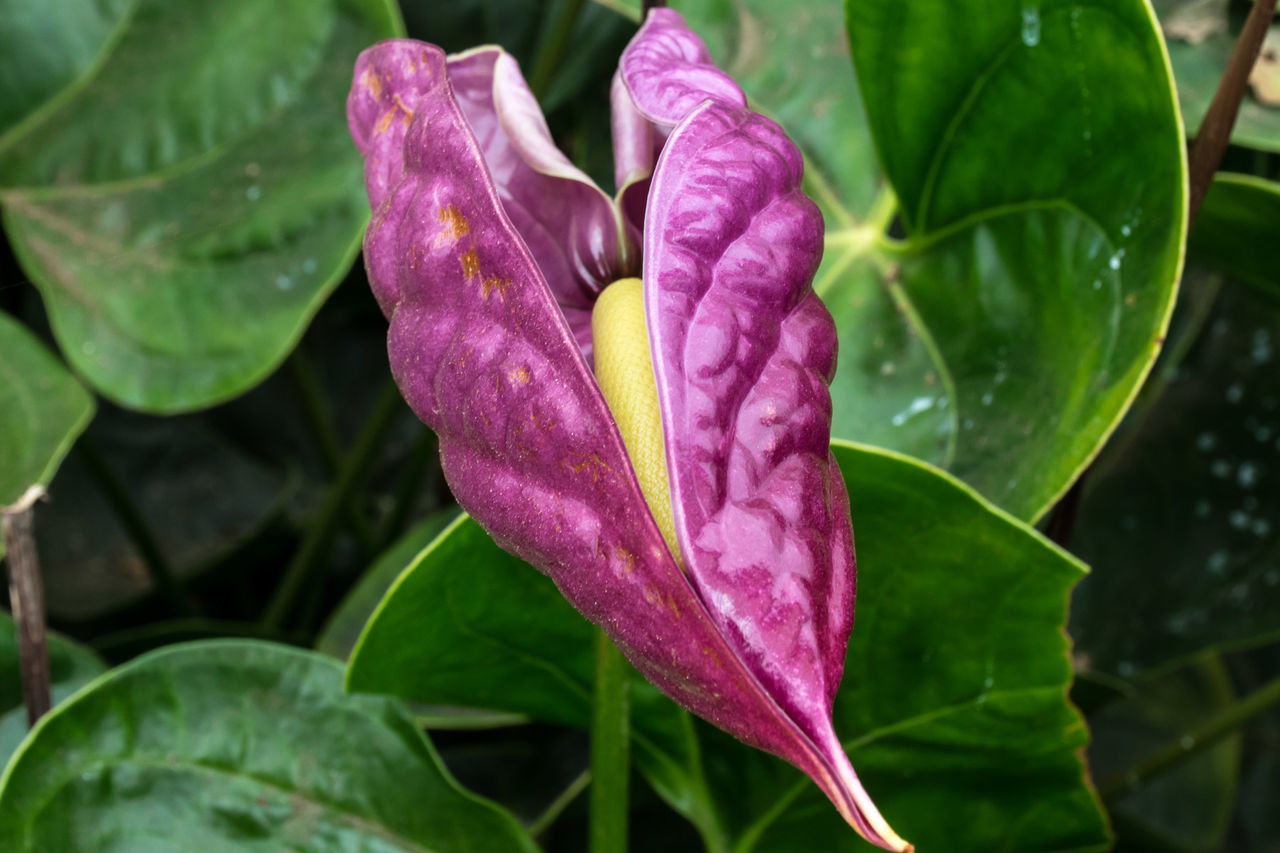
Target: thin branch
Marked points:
26	597
543	821
1215	131
319	420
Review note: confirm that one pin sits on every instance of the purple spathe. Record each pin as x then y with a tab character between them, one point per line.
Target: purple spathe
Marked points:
486	251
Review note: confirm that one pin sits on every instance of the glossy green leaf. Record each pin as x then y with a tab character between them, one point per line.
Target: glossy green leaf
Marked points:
1201	35
1036	153
468	624
186	203
793	62
1235	231
953	703
1189	807
339	634
71	666
1185	555
42	411
41	56
243	746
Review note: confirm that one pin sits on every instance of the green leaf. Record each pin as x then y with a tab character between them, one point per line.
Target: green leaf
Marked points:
1189	807
338	636
71	666
244	746
186	204
1201	35
1037	271
1235	230
40	56
468	624
42	411
1185	554
953	703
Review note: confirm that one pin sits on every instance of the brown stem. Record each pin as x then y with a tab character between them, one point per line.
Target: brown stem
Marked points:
1215	131
650	4
26	597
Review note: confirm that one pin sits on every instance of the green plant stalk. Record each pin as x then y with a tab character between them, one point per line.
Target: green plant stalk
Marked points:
543	822
1220	725
135	525
415	474
301	570
553	45
316	414
26	598
610	745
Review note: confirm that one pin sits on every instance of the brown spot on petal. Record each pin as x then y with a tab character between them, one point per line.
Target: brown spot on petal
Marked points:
456	225
492	283
373	83
470	265
520	374
385	121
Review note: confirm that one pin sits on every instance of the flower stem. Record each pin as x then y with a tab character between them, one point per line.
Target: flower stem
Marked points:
319	421
321	527
610	744
554	43
135	524
26	598
1220	725
1215	131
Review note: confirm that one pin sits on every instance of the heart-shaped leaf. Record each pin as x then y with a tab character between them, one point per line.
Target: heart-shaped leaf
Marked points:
953	700
1036	153
185	199
1005	337
243	746
42	411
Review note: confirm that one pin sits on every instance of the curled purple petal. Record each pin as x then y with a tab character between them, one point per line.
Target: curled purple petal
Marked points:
743	353
668	71
484	356
569	224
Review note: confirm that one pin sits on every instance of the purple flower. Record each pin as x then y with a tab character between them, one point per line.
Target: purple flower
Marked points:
682	495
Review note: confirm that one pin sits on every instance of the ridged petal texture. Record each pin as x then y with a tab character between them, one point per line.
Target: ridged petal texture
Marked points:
753	638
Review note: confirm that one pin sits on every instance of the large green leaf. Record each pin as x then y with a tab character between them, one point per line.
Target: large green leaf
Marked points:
71	666
953	704
1185	554
186	203
1036	152
42	411
243	746
1235	230
1201	35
